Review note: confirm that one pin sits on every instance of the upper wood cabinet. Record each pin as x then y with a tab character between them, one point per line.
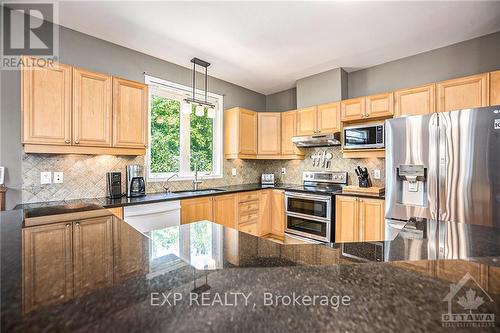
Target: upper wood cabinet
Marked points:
462	93
288	131
225	210
47	265
380	105
196	209
129	113
415	101
240	133
307	121
353	109
328	118
495	88
92	100
269	133
46	104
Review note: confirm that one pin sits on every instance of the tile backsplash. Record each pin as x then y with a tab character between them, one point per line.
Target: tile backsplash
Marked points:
85	175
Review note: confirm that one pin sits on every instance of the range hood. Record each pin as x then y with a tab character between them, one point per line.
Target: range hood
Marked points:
318	140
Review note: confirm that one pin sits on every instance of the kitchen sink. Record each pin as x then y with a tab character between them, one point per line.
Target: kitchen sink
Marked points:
200	191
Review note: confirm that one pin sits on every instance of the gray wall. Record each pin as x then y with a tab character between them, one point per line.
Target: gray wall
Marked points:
474	56
325	87
282	101
82	50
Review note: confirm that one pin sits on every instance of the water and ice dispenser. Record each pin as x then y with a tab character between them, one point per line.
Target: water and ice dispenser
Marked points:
412	189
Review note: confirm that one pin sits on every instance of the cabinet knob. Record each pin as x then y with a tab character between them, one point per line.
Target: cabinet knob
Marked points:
67	142
77	224
145	146
77	142
68	225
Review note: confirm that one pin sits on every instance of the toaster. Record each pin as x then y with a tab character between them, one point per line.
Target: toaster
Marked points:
267	179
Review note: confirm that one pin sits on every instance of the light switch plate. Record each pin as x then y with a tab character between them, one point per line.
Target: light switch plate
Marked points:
376	174
283	171
233	171
45	178
58	177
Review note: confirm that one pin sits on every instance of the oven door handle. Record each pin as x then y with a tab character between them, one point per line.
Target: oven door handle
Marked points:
308	217
322	198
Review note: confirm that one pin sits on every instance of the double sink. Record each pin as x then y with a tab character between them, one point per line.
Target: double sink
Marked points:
200	191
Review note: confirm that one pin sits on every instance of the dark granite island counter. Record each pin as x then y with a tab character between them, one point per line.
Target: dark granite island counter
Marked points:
96	273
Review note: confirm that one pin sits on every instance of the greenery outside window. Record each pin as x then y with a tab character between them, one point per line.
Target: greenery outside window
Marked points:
181	141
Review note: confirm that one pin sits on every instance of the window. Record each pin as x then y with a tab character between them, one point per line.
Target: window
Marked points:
180	142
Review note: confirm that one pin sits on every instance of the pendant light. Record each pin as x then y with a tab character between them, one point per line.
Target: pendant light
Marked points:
200	104
186	107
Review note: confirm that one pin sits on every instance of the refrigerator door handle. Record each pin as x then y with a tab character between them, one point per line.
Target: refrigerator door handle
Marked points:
442	168
433	172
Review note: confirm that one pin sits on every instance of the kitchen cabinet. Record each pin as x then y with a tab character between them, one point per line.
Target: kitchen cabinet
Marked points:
288	131
129	113
196	209
93	253
415	101
265	219
379	105
358	219
92	101
462	93
225	210
495	88
240	133
278	213
249	212
328	116
353	109
269	133
307	121
117	211
47	265
46	104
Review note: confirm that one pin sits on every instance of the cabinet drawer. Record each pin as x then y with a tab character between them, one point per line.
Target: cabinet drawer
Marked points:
250	228
249	206
246	218
248	196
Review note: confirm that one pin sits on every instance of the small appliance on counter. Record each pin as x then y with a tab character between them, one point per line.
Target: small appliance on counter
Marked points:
363	176
267	179
2	175
136	187
114	184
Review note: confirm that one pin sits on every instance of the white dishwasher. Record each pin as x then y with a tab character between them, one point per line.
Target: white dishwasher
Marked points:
153	216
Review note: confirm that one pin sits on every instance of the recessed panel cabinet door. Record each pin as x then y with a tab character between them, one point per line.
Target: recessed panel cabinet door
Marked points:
129	113
329	118
278	213
353	109
226	210
306	121
415	101
371	219
46	104
380	105
248	132
288	131
91	108
197	209
495	88
463	93
346	219
269	133
93	254
47	265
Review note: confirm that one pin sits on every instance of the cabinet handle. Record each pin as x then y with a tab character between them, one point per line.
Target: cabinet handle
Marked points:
68	225
67	142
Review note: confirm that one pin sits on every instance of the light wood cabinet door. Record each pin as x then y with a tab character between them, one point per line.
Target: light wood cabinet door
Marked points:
196	209
495	88
269	133
265	218
380	105
226	210
288	131
353	109
329	118
415	101
371	219
47	265
46	104
129	113
91	108
130	251
248	132
307	121
278	213
346	219
93	253
117	211
462	93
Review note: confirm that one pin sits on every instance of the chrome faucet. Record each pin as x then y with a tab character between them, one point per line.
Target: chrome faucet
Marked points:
196	181
167	187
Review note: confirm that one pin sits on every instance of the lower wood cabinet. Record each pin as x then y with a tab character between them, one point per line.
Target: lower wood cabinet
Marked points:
196	209
278	213
225	210
358	219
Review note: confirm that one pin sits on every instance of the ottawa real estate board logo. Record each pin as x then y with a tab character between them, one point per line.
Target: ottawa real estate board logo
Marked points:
28	30
464	305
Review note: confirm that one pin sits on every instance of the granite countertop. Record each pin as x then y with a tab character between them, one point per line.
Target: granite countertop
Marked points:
207	268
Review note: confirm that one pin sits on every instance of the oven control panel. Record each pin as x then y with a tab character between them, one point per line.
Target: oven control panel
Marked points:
336	177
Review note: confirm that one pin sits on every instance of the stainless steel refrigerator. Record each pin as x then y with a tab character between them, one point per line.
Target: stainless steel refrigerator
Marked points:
444	167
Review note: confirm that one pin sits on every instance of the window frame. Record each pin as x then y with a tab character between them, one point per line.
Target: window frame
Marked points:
174	90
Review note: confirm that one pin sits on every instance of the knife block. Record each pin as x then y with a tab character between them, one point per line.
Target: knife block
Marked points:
365	182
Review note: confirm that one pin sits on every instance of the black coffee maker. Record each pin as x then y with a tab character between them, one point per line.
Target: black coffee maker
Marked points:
136	187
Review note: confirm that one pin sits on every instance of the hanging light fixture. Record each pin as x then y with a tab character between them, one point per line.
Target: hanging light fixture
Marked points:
186	107
200	104
211	111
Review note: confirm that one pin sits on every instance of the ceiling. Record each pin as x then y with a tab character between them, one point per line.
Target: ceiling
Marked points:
267	46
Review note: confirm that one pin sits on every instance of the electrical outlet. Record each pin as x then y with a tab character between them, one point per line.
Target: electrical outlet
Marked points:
58	177
376	174
233	171
45	178
283	171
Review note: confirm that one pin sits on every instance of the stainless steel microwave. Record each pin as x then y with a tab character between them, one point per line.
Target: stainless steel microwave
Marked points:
364	136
